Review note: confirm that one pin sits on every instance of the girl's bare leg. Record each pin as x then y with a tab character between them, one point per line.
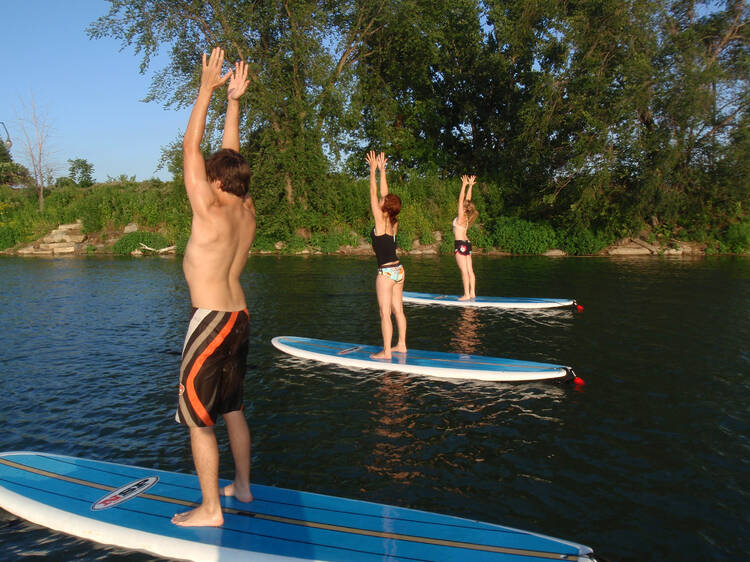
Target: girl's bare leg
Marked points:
472	278
465	279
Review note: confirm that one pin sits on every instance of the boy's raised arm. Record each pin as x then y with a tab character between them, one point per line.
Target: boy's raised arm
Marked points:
194	167
237	86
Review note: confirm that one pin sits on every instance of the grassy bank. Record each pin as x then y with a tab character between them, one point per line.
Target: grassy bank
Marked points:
340	218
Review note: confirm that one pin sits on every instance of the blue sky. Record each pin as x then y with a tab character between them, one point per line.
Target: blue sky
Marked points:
89	90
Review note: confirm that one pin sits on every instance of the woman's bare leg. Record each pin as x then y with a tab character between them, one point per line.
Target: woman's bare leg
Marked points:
383	288
397	307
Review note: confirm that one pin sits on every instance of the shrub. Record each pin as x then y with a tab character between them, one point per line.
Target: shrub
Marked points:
583	242
737	238
479	237
7	237
330	242
446	246
522	237
132	241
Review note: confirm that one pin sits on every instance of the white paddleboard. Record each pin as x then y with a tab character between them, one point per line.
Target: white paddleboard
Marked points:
130	507
434	363
527	303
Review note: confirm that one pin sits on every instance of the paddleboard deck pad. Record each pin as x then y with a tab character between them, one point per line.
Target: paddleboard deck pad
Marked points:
489	302
131	507
433	363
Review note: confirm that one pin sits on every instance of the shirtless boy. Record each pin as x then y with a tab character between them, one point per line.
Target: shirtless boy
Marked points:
215	352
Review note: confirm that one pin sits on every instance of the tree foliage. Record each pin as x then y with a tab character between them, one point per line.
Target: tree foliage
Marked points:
81	171
301	54
596	116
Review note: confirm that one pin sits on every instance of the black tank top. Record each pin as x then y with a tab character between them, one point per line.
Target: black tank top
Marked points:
384	247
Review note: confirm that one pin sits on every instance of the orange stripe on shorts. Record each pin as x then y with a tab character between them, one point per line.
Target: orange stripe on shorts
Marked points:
189	386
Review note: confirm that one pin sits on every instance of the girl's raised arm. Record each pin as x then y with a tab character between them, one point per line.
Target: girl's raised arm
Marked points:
461	211
471	180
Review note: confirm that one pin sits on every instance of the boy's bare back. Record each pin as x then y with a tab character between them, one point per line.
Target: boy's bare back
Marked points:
216	253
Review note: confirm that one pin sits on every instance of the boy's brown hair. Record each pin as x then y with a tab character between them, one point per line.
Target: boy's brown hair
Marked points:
230	168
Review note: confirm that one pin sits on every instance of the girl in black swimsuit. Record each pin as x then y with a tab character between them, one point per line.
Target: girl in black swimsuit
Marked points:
389	283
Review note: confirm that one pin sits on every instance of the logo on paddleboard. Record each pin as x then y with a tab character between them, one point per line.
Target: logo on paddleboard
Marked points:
126	492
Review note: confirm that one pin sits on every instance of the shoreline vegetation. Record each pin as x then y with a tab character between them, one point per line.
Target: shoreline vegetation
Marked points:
124	217
593	127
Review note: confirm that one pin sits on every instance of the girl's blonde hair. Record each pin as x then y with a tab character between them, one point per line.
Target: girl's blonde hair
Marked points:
471	213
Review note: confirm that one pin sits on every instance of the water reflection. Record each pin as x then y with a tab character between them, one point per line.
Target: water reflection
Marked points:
395	443
465	337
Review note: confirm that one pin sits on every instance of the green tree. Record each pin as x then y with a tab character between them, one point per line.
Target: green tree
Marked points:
81	171
301	54
419	79
4	154
12	173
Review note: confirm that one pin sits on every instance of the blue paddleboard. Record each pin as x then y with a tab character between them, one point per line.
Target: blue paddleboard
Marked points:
435	363
490	302
131	507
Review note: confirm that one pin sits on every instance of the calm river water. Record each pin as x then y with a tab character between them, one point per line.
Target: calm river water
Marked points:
649	461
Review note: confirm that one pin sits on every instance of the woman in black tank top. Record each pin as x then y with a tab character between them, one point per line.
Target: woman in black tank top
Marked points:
389	283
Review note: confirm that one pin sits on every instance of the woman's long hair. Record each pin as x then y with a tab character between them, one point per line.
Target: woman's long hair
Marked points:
471	213
392	206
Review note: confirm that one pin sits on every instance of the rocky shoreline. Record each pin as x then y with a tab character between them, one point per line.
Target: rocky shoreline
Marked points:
70	240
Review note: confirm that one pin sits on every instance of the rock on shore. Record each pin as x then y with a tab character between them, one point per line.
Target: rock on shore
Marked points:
69	239
66	239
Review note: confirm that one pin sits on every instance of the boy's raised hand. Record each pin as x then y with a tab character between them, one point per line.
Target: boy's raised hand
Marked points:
238	82
382	161
211	77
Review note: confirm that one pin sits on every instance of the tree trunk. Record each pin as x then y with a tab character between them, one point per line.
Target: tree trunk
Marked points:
288	188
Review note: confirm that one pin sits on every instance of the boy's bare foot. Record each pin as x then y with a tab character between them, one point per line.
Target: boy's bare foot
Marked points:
198	517
380	355
234	491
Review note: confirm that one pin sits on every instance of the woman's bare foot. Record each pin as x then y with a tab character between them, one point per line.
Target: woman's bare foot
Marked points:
234	491
380	355
401	348
198	517
464	298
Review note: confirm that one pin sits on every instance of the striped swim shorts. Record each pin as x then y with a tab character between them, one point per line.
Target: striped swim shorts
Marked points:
214	359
